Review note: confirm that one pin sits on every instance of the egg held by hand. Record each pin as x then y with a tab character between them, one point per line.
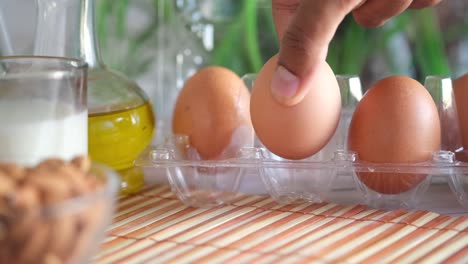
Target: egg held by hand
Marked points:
395	122
298	131
212	109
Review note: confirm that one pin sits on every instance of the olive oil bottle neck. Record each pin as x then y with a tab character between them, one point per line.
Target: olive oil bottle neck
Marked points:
66	28
89	47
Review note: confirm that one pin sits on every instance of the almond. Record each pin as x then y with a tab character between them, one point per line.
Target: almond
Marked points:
62	235
51	164
37	243
76	179
52	189
83	163
7	184
14	171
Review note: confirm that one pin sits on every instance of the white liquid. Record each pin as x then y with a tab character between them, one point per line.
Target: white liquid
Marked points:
33	130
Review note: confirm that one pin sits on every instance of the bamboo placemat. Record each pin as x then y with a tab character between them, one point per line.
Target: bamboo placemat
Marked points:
155	227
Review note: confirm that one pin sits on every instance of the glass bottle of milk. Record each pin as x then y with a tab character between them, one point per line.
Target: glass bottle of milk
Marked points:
43	110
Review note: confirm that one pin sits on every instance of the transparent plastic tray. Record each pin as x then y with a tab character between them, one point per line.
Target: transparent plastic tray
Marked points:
332	175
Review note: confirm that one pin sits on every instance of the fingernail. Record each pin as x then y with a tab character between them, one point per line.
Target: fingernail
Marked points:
284	84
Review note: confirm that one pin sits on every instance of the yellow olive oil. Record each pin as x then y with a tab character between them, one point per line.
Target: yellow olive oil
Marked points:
116	138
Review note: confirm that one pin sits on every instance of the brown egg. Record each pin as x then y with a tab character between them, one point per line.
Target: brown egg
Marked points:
299	131
395	122
212	109
460	87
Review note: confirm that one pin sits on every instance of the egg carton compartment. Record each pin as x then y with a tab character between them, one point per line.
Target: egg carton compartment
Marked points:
459	181
196	182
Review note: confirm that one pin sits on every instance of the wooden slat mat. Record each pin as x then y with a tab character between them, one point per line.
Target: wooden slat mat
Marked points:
155	227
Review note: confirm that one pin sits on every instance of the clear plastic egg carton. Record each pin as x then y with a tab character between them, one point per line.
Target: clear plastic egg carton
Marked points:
333	175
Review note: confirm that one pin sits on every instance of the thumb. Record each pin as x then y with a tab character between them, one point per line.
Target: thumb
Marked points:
304	45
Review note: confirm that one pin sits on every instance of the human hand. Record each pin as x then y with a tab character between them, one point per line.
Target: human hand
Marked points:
306	28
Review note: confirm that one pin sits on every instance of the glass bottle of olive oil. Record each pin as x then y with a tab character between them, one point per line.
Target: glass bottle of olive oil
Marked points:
121	121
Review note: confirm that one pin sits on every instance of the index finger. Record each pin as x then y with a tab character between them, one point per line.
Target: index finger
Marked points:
283	11
306	28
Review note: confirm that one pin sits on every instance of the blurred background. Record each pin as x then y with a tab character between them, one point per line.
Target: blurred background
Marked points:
159	43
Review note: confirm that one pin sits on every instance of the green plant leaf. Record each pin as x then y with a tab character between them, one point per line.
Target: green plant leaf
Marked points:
428	44
251	35
121	14
103	10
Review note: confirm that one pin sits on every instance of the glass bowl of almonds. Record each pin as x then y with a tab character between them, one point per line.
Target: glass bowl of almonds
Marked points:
56	211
